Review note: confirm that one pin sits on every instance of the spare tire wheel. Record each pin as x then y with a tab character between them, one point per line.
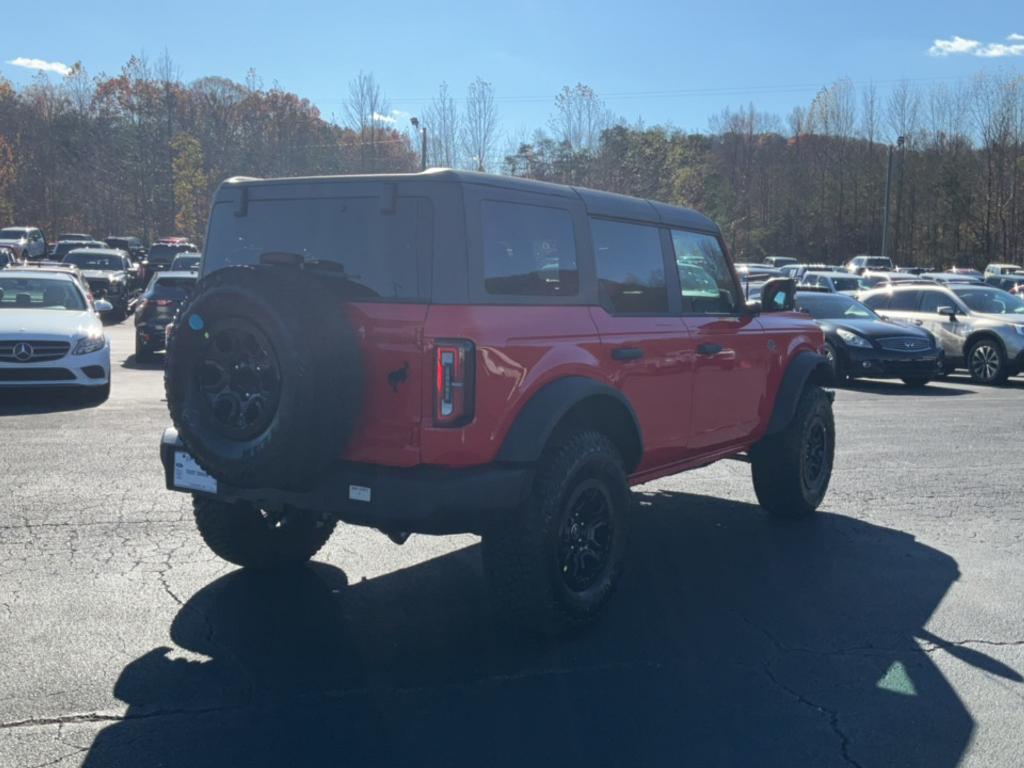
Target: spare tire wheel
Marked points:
263	375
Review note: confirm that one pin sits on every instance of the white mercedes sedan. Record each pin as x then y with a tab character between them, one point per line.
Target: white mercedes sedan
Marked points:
51	334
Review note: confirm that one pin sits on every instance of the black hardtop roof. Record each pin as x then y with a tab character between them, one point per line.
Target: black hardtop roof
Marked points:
597	202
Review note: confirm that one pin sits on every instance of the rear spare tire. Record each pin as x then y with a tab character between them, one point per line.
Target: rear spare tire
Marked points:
262	375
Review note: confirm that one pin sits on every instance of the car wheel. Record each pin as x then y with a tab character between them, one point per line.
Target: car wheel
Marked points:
835	363
143	354
556	562
245	535
986	362
916	383
791	469
263	386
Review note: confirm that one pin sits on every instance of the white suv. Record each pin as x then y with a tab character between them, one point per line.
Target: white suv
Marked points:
27	242
50	335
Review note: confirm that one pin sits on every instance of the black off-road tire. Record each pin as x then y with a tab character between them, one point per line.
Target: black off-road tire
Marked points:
530	560
241	534
305	371
791	469
986	362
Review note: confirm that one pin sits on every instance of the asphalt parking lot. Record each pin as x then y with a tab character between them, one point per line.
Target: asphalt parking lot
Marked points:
886	631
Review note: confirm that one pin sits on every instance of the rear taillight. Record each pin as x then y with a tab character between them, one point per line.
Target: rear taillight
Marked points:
454	368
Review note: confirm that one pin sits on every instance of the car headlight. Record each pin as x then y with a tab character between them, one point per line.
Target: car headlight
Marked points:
90	344
853	339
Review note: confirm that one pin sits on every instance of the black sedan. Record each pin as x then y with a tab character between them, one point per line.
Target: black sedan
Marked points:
159	305
859	343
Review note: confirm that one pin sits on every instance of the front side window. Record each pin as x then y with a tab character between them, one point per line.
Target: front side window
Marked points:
630	267
529	250
932	300
706	281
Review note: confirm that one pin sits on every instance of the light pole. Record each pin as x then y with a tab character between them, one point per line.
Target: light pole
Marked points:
888	192
423	141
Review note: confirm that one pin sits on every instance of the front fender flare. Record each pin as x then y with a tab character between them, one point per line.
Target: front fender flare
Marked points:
806	366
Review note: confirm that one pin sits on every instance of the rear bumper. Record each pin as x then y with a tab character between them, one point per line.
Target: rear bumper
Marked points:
424	499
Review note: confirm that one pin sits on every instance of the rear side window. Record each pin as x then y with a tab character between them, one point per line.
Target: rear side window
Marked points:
630	267
377	250
904	301
706	281
529	250
878	301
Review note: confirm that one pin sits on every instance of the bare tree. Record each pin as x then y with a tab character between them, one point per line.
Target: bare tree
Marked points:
443	125
580	116
366	113
480	125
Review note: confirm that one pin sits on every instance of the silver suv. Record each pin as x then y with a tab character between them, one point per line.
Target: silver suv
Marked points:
981	328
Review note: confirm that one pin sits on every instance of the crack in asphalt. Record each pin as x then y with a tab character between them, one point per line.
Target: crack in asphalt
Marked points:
832	715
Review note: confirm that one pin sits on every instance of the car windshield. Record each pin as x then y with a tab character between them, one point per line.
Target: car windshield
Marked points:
94	261
878	263
823	306
990	301
39	293
11	234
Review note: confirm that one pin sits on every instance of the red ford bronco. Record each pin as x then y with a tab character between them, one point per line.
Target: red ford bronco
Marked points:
454	352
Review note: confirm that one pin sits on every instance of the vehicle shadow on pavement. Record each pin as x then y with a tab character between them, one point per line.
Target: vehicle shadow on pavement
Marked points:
735	640
157	364
22	402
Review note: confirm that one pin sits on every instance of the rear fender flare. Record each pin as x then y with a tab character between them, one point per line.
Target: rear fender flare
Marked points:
550	406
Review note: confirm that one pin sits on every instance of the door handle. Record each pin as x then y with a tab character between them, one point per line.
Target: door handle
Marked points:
627	353
707	350
917	322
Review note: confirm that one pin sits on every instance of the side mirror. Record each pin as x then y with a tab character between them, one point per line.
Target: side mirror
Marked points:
778	295
949	312
103	306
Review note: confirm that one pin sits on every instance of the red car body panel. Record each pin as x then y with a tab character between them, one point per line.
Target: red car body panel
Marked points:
692	408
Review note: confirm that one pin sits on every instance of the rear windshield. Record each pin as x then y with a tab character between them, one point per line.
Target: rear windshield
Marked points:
375	249
11	234
878	262
163	253
172	287
93	261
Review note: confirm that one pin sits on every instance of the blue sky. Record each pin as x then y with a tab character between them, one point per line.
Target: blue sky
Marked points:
665	61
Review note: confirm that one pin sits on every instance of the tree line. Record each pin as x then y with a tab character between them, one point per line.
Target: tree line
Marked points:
142	152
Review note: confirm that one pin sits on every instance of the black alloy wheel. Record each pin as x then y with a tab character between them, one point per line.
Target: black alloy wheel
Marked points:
586	536
239	379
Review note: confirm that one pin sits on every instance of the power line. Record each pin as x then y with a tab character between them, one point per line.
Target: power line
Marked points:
748	90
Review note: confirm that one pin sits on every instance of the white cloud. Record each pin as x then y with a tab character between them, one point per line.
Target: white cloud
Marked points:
996	50
958	45
955	45
377	117
43	66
